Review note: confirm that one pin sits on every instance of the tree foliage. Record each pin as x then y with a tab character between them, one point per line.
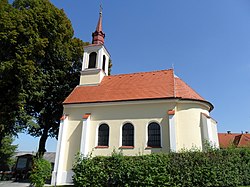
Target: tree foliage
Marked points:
13	73
40	65
7	151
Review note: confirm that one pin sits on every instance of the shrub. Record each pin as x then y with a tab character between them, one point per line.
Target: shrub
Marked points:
229	167
41	170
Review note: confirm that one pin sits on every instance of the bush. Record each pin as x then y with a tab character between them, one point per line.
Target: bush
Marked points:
41	170
229	167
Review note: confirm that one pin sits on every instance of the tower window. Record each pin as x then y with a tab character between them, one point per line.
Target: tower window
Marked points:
103	135
154	135
92	60
103	63
128	135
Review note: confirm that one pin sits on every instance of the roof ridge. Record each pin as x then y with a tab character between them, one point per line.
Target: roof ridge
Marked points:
174	84
232	133
155	71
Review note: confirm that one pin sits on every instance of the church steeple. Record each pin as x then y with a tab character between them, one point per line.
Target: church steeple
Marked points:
98	36
95	58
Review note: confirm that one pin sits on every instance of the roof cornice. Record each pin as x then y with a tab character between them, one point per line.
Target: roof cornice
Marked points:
208	105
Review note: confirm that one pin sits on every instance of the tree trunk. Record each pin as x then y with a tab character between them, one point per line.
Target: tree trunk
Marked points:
42	143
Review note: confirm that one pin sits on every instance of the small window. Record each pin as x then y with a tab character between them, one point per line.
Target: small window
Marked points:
103	135
92	60
128	135
103	63
154	135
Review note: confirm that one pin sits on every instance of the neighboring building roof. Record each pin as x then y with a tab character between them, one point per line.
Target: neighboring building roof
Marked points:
21	153
136	86
234	139
49	156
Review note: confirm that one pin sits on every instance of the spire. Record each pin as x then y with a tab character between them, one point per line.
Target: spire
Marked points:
99	24
98	36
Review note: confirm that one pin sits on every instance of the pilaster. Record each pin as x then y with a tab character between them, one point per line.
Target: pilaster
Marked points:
60	160
172	130
85	135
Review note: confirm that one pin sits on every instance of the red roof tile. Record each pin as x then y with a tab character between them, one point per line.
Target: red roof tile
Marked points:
226	139
234	139
244	140
136	86
171	112
184	91
85	116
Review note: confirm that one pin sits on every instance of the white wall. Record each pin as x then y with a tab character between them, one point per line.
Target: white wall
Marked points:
187	121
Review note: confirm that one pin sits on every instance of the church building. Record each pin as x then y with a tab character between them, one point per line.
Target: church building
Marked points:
137	113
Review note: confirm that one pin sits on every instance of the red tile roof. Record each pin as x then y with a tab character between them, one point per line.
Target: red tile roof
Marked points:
234	139
171	112
184	91
85	116
136	86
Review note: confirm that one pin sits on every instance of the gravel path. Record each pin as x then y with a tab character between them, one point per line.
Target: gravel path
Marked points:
13	184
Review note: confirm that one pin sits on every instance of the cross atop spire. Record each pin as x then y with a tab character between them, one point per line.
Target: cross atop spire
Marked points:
98	36
101	8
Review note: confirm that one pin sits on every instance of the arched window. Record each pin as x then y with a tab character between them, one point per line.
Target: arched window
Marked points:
154	135
92	60
128	135
103	135
103	63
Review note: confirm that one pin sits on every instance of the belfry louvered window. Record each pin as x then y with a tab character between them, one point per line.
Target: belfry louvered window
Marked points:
103	135
92	60
154	135
128	135
103	63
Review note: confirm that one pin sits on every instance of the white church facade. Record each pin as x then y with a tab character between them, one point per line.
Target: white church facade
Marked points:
138	113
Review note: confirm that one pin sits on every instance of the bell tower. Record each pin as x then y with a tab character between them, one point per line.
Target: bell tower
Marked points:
95	57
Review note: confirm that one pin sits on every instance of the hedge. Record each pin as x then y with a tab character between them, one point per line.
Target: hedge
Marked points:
41	170
227	167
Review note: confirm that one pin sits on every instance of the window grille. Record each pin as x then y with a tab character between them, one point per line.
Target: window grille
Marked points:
103	135
128	135
154	135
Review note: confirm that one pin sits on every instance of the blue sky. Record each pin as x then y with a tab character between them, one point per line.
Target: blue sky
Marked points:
207	42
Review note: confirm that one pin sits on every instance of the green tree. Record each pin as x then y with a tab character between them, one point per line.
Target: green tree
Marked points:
40	65
15	70
57	57
7	151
